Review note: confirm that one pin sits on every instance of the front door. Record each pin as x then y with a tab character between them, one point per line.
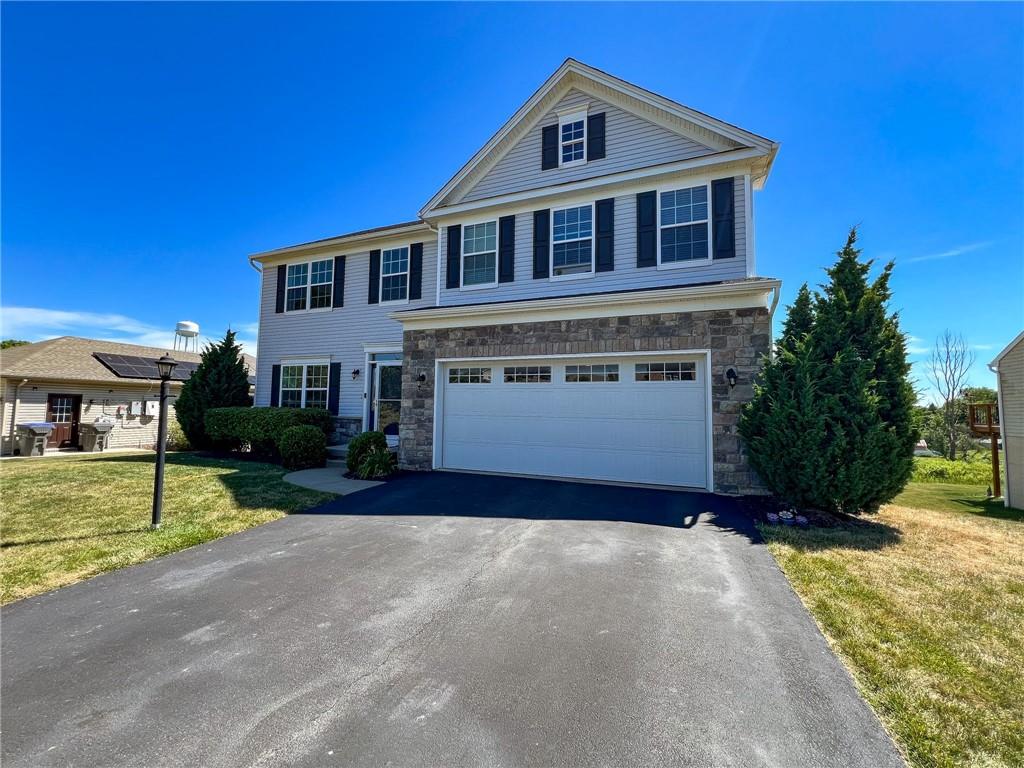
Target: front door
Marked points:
63	412
387	399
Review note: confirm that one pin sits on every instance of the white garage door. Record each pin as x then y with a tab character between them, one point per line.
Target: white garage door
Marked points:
638	420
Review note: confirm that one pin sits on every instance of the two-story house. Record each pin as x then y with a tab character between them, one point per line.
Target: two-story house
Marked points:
580	300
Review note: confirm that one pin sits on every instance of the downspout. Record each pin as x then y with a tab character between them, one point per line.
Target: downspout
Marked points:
994	367
14	411
776	295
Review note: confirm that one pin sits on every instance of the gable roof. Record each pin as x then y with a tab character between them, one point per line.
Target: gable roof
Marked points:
71	358
717	134
994	365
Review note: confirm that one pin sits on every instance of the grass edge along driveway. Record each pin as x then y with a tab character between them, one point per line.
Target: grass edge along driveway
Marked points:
925	606
69	518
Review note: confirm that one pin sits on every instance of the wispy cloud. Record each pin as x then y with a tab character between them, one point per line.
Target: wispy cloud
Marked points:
983	347
916	346
37	324
952	253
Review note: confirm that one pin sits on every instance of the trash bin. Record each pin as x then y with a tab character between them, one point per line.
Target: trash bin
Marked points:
32	437
94	436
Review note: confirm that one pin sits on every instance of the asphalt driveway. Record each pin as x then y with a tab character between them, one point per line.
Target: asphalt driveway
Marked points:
442	619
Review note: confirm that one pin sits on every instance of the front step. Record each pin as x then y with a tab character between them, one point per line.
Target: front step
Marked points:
339	451
337	463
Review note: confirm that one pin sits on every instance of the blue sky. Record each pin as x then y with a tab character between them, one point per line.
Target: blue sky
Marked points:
148	148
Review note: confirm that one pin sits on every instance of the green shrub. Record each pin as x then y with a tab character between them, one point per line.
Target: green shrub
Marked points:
377	463
262	428
938	470
362	444
176	440
303	447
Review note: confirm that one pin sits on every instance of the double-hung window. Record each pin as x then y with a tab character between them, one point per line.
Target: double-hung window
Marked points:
309	285
683	225
572	243
572	135
480	254
304	385
394	274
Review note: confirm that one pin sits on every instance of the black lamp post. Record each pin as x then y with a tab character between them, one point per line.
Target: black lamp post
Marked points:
165	365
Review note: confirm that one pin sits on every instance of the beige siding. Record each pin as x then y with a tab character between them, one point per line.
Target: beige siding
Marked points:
1011	419
630	142
128	432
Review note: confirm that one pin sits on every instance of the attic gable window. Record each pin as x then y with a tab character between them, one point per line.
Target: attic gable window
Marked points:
572	133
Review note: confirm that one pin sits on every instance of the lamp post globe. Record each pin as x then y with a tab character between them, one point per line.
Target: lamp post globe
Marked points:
165	367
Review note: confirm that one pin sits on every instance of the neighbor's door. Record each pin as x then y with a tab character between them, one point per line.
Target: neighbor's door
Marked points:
387	388
63	412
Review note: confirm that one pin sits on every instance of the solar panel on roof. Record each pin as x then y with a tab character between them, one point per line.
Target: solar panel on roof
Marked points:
132	367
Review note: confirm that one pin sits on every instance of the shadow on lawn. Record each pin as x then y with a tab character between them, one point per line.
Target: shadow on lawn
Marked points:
59	539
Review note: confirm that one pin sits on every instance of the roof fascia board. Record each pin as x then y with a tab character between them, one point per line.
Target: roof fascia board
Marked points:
650	172
336	243
994	365
747	293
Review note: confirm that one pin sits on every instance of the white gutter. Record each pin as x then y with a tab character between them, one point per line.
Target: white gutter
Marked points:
994	367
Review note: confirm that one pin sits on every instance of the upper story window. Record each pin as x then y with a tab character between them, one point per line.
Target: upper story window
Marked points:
572	244
479	254
394	274
304	385
309	285
683	215
572	133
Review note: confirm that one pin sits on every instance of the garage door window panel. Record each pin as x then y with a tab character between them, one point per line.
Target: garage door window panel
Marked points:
666	371
591	373
528	374
469	376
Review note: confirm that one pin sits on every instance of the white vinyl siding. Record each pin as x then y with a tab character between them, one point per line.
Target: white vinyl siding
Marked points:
630	142
626	274
338	335
1011	420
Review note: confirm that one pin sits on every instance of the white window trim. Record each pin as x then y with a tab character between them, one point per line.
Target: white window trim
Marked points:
705	182
309	285
305	364
463	254
552	277
408	270
572	117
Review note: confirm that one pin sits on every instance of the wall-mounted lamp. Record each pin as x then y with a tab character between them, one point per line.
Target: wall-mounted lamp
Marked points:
732	377
355	373
422	378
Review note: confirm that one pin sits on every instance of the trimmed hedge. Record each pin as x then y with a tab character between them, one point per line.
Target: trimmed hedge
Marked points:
303	447
262	428
362	444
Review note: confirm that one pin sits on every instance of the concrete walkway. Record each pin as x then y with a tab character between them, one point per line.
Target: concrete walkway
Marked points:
329	480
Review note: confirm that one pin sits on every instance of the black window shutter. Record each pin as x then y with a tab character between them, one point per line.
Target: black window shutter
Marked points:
334	389
605	252
595	136
549	147
541	244
373	296
282	277
506	249
339	282
723	218
646	229
415	271
454	253
275	385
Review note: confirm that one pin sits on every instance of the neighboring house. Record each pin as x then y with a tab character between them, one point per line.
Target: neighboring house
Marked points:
1009	369
70	381
579	300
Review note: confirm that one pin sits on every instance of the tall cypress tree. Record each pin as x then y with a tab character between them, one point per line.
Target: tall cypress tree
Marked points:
220	381
840	373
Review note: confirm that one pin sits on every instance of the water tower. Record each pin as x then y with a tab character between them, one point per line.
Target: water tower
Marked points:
186	333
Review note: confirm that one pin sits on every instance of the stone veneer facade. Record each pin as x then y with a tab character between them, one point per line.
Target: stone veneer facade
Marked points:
737	338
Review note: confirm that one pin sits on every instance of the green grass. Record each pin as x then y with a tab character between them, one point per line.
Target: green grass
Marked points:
925	605
66	519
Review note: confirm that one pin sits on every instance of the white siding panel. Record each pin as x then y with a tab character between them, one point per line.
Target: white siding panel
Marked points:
1011	420
338	334
626	275
630	142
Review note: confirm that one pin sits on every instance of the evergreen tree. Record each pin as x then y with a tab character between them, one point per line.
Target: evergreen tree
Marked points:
220	381
841	375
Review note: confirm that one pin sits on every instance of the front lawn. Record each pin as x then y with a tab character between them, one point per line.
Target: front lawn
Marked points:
69	518
925	605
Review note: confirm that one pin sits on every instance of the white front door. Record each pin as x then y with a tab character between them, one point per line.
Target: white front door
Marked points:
627	419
